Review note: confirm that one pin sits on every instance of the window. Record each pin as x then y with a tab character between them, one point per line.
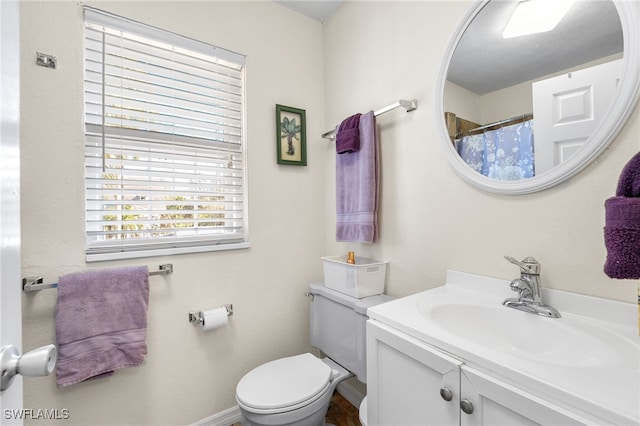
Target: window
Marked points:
165	149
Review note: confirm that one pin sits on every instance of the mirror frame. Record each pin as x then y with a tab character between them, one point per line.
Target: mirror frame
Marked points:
625	101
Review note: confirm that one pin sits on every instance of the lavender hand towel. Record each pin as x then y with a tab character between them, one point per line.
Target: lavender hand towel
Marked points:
357	187
348	135
622	225
101	323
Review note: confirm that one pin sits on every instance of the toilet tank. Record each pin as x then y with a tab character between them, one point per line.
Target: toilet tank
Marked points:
338	324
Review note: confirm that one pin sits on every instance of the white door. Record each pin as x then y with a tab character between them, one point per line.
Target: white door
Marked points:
488	401
568	108
10	298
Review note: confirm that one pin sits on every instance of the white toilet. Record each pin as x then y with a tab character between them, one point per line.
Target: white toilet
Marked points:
297	390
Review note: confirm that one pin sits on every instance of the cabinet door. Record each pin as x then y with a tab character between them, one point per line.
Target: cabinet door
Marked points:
496	403
404	379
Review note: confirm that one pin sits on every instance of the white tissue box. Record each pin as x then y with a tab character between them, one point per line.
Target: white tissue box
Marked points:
365	278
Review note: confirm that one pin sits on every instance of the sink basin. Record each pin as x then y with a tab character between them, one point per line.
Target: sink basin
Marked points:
566	341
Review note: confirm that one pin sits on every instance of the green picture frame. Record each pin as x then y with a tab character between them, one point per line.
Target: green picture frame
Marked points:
291	135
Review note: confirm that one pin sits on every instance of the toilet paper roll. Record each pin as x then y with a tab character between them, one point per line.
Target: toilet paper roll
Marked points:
214	318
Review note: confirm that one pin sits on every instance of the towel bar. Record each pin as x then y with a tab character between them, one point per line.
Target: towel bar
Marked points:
407	105
30	284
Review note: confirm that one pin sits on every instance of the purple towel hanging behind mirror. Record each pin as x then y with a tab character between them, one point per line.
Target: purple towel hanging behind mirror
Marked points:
348	135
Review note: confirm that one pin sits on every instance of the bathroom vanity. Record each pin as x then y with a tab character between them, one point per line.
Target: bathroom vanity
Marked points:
455	355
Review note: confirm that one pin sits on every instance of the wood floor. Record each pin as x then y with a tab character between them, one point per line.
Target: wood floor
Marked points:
341	412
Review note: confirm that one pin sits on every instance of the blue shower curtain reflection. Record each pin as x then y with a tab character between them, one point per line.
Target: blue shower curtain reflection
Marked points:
503	154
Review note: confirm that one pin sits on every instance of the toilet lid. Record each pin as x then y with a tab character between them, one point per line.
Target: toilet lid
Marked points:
283	383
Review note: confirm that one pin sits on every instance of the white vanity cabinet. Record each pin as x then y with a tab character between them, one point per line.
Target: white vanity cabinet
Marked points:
412	383
512	367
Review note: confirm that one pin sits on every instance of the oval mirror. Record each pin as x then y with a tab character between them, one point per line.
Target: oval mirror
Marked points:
520	113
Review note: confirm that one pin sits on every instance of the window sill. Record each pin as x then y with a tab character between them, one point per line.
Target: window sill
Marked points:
101	257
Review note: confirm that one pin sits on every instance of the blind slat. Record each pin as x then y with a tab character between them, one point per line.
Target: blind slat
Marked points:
164	150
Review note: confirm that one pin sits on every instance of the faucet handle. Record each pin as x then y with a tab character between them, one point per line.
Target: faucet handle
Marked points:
528	265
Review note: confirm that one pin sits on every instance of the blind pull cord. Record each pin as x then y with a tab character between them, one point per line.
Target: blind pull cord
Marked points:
104	120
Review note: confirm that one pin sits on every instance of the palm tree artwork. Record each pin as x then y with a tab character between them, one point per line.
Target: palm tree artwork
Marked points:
291	135
290	129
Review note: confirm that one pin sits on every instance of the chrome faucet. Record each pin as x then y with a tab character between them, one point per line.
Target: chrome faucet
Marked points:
529	289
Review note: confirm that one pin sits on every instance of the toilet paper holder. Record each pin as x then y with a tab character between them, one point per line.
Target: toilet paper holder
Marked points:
198	316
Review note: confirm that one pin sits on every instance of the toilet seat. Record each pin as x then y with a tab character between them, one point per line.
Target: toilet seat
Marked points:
284	384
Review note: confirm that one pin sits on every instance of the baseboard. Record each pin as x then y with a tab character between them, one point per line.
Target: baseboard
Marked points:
350	393
224	418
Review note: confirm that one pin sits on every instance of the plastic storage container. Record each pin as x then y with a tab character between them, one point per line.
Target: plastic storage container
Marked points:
365	278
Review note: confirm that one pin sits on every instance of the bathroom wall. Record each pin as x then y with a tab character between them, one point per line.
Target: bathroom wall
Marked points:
464	103
431	220
189	375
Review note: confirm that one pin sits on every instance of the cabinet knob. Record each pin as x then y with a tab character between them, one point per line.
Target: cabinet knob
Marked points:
466	406
446	394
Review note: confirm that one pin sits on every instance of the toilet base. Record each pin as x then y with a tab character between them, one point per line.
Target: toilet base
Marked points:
362	411
310	415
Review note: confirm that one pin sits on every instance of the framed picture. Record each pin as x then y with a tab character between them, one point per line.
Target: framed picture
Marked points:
291	135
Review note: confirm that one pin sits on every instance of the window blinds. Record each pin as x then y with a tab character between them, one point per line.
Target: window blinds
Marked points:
164	152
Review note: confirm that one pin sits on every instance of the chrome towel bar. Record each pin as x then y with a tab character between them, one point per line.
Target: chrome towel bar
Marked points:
30	284
408	105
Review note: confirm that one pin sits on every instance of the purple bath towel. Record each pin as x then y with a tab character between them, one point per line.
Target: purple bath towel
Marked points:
357	187
348	135
101	323
622	225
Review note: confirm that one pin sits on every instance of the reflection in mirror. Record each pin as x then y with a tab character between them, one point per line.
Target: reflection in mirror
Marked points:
518	107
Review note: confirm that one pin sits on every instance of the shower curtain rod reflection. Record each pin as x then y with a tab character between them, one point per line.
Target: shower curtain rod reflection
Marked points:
30	284
522	117
408	105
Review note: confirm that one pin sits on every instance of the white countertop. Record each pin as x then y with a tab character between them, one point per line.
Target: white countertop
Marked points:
604	383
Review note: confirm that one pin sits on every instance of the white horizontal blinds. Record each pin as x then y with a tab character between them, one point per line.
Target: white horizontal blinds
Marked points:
164	152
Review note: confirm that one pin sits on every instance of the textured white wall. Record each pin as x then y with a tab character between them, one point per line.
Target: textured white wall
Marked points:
189	375
379	52
464	103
